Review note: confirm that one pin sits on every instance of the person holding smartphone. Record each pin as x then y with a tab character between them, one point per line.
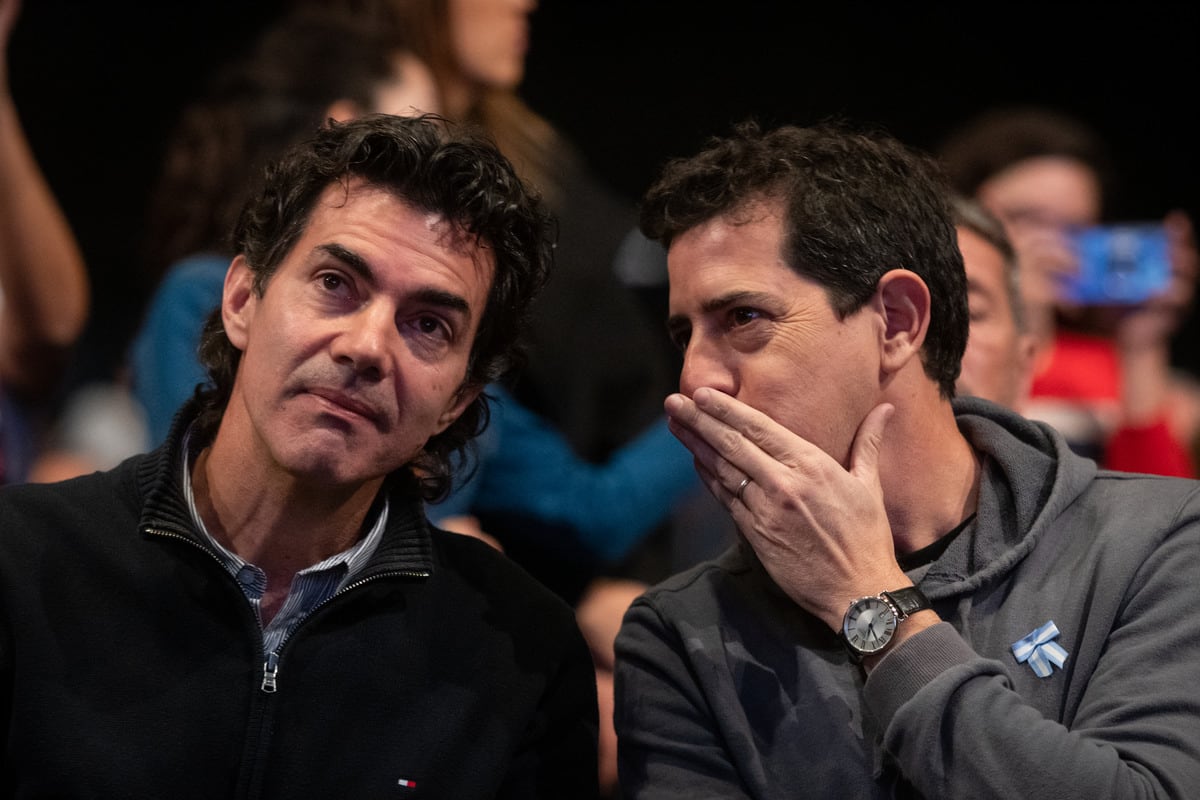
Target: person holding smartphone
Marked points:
1102	370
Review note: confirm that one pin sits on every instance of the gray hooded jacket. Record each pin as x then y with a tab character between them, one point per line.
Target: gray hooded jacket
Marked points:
727	689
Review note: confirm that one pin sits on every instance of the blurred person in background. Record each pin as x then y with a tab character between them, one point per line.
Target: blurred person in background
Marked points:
1102	373
998	362
44	287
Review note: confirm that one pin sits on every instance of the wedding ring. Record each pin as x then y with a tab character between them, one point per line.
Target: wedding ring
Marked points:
741	487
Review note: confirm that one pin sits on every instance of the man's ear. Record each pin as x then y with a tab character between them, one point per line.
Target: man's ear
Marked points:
458	404
238	302
902	299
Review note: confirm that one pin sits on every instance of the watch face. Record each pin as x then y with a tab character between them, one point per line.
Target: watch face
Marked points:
869	625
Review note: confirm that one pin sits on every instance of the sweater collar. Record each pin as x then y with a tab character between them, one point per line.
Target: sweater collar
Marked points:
406	546
1030	476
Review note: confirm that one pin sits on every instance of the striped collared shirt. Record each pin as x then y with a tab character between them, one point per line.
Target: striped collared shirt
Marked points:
310	586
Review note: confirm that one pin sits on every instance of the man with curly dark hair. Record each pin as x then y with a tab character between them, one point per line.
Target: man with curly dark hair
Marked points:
260	607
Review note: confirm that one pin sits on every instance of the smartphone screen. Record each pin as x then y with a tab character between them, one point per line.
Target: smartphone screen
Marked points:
1119	264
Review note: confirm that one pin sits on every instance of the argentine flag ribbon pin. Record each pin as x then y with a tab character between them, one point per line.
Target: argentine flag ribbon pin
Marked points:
1039	650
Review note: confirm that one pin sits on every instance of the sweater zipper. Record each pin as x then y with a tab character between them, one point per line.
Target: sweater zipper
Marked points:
270	681
182	538
270	666
270	673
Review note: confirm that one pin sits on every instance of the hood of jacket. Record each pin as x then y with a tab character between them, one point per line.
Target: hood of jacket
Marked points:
1029	476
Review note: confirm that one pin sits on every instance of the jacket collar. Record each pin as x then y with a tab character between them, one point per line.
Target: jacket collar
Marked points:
1030	476
407	545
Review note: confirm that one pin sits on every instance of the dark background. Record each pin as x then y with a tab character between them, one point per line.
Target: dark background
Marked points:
632	82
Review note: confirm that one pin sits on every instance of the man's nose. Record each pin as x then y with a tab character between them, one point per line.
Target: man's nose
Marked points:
366	341
706	364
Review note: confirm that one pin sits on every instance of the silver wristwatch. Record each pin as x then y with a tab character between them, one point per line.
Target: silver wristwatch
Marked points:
870	622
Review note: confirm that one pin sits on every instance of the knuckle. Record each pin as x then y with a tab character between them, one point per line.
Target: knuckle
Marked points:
730	441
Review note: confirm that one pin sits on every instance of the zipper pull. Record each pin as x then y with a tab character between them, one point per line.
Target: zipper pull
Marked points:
270	673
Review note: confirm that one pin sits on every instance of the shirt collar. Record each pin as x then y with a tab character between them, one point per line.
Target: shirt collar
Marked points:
354	558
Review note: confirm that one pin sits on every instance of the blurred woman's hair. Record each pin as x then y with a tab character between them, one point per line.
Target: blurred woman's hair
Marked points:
998	138
252	110
527	139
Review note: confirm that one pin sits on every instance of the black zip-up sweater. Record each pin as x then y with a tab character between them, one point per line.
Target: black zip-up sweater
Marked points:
131	664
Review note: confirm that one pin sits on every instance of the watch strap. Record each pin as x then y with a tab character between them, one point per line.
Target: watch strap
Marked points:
907	601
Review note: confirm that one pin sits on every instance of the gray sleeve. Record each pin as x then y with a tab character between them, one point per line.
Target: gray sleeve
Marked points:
1131	716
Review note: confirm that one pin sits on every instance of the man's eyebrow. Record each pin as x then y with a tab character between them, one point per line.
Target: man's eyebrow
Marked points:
429	296
349	258
738	298
443	299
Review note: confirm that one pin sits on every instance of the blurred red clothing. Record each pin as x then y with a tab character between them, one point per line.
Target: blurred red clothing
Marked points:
1083	373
